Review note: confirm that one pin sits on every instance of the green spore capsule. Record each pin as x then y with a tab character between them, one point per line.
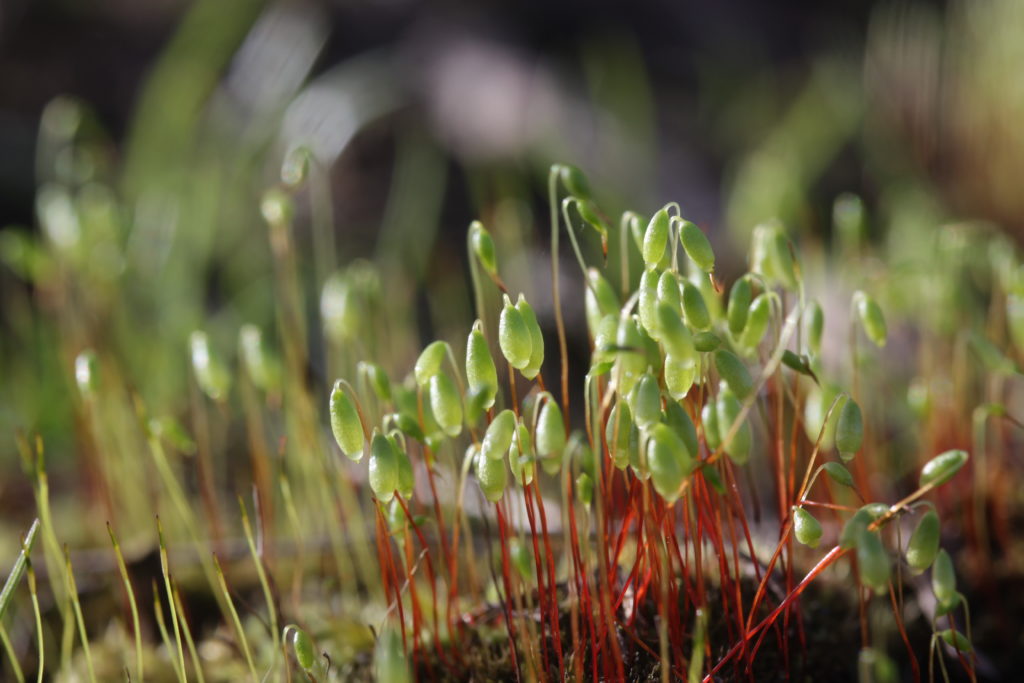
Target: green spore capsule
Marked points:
483	247
87	373
944	580
873	562
618	432
302	646
709	423
492	475
429	362
532	367
694	307
647	302
498	437
584	489
675	336
520	456
645	400
838	474
668	462
481	373
695	244
942	467
956	640
600	300
737	310
574	181
729	408
514	336
522	558
706	342
783	265
806	528
668	290
389	662
211	376
849	430
379	380
816	406
871	318
345	424
406	479
758	317
340	309
383	468
924	542
678	419
858	523
655	238
550	430
679	376
630	359
734	373
814	327
446	404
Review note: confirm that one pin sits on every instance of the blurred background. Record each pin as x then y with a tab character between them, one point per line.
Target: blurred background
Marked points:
137	140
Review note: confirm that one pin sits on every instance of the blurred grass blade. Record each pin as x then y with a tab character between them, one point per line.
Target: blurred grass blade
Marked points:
18	569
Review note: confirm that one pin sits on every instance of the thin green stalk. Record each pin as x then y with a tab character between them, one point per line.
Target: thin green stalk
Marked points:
196	664
38	617
158	610
12	656
77	606
261	573
243	642
165	570
123	569
20	564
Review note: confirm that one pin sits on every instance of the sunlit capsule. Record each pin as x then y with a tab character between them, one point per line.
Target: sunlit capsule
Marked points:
729	408
706	342
550	430
814	326
655	238
345	424
631	358
736	312
522	558
679	376
694	307
873	562
645	401
383	468
498	437
678	419
734	373
406	479
429	362
871	318
481	373
483	247
839	474
806	528
849	430
446	404
696	246
600	300
783	266
618	432
514	336
758	317
942	467
295	167
87	373
584	488
944	579
668	462
668	290
574	181
211	376
647	301
520	456
532	367
340	309
924	542
302	645
277	207
709	424
389	662
675	336
492	475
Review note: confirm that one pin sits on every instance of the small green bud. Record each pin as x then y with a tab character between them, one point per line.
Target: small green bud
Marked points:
678	419
696	245
709	423
446	404
536	339
758	317
514	336
574	181
383	469
345	424
956	640
492	475
636	230
277	207
647	303
871	318
806	528
814	327
674	334
729	407
520	456
734	373
849	430
498	437
668	290
295	167
212	377
340	309
924	542
736	312
389	662
668	461
522	558
302	645
618	432
839	474
630	360
944	579
550	430
585	489
694	308
406	479
942	467
706	342
483	247
87	373
679	376
429	362
481	373
600	300
873	562
655	238
645	401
